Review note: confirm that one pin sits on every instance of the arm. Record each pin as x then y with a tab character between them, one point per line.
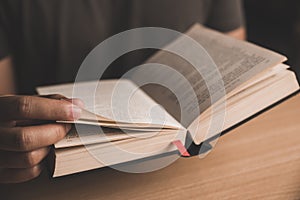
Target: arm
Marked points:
7	79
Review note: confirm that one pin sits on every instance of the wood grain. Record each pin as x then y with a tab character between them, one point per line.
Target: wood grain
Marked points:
258	160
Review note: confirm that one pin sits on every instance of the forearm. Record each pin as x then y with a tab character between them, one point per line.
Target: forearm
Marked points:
7	79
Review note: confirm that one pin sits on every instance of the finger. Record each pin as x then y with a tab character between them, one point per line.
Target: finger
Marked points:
32	137
31	107
20	175
74	101
10	159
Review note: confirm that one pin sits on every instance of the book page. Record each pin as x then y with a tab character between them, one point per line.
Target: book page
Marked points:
85	135
236	61
119	103
248	99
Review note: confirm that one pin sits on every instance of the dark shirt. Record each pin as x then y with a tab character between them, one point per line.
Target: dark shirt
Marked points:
48	40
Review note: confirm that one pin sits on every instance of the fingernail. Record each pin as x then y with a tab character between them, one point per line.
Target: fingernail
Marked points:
78	103
76	112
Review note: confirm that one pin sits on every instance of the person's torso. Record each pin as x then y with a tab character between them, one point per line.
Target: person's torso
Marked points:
50	39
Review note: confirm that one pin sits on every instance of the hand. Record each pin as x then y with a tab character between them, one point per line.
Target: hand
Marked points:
24	140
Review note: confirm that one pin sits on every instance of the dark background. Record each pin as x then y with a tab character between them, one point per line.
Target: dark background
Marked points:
275	24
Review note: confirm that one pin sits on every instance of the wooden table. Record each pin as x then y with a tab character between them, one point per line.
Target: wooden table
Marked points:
258	160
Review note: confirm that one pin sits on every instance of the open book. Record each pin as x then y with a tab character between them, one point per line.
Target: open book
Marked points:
142	122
